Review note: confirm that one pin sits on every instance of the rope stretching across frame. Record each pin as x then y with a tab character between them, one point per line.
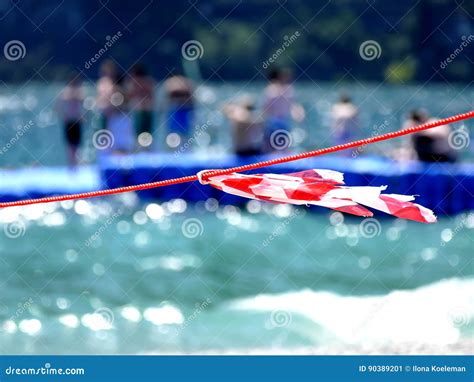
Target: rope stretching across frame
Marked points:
205	175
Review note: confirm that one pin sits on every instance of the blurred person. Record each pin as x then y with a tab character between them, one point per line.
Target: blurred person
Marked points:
70	110
278	99
141	92
119	122
105	90
415	117
246	127
429	145
345	120
180	102
279	107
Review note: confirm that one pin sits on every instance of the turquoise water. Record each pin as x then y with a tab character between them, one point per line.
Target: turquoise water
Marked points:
382	108
120	276
123	276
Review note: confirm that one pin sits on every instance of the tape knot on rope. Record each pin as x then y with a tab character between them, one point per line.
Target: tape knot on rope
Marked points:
204	175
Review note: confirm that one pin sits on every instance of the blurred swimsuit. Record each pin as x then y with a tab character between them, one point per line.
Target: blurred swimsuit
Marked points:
142	89
73	133
427	151
71	110
121	127
277	108
143	121
181	112
180	119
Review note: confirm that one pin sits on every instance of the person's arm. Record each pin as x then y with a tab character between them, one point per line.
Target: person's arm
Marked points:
334	118
267	102
59	105
298	112
162	98
130	89
82	97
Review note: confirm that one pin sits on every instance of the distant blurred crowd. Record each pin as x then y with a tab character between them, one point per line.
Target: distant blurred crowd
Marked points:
126	105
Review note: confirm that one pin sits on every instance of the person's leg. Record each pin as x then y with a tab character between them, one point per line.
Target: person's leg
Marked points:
183	118
188	119
143	121
137	123
275	131
69	142
173	125
179	122
103	122
74	141
72	155
143	128
147	121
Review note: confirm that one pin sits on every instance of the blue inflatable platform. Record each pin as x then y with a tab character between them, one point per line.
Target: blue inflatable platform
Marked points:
445	188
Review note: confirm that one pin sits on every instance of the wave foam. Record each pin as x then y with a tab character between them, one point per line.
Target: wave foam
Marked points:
432	314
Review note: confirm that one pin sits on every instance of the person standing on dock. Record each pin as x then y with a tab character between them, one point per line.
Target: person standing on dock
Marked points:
279	108
429	145
180	98
345	120
105	90
141	92
70	109
119	122
246	126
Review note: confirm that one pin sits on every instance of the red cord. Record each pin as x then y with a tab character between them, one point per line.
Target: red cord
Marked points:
205	176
